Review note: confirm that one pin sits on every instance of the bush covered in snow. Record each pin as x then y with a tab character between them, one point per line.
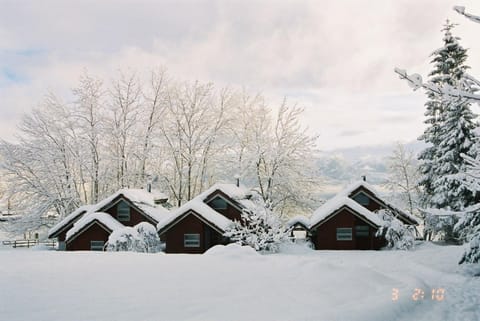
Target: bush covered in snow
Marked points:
260	228
398	235
142	237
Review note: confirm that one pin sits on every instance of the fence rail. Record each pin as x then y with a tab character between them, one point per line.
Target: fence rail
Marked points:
29	243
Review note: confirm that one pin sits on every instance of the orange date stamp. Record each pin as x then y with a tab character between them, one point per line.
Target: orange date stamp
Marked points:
419	294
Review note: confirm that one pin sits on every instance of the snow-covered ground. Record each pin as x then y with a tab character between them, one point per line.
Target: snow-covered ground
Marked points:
237	284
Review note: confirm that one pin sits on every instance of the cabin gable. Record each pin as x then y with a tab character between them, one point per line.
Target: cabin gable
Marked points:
345	229
370	201
84	239
225	205
365	198
191	234
124	211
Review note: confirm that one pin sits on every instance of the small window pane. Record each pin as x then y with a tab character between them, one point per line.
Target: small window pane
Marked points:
361	230
191	240
96	245
218	203
123	211
362	199
344	234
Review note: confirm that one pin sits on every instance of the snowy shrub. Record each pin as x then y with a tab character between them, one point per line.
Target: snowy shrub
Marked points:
398	235
260	228
148	235
122	240
142	237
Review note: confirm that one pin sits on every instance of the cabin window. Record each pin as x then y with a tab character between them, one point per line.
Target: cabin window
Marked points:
344	234
218	203
123	211
362	199
191	240
96	245
362	231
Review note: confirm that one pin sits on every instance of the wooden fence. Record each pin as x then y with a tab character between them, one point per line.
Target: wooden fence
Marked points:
30	243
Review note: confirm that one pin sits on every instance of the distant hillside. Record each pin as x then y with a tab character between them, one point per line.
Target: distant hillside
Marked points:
342	166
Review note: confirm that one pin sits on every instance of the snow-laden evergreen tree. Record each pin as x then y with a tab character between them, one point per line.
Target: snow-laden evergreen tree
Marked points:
468	226
450	132
260	228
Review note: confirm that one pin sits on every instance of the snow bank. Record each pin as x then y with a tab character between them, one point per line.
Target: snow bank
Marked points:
232	251
297	247
323	285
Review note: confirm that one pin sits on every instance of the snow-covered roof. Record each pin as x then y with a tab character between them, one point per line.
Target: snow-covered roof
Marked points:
231	190
338	202
106	219
141	198
298	219
203	210
67	220
363	184
240	195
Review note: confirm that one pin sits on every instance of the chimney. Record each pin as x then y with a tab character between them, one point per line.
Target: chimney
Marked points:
364	178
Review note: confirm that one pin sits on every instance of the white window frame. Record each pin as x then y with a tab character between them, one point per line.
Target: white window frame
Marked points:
194	240
97	246
343	232
123	217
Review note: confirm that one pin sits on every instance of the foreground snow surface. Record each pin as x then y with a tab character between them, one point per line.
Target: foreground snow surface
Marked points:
236	284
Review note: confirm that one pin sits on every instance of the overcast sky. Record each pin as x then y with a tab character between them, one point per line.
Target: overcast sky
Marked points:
335	58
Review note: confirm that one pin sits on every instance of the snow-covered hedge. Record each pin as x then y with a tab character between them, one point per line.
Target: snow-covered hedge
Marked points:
398	235
143	237
261	229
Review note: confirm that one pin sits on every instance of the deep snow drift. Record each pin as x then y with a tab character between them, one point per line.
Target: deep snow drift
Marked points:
233	283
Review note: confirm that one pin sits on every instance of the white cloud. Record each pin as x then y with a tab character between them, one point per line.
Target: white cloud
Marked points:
336	58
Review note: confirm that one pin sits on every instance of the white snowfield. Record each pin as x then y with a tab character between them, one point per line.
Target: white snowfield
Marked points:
232	283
